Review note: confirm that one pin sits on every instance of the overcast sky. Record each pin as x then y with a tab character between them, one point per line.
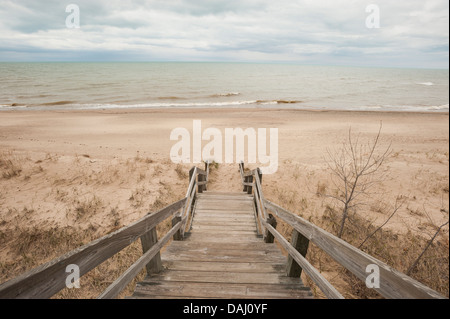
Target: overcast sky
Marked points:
412	33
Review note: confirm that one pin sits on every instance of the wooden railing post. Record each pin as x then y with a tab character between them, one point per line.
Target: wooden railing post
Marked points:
178	235
191	172
201	178
245	179
268	238
249	180
260	176
149	239
300	243
207	175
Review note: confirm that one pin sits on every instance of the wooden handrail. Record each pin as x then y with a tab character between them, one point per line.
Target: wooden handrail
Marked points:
312	272
48	279
120	283
393	284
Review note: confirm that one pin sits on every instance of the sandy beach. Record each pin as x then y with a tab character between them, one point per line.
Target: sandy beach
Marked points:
100	170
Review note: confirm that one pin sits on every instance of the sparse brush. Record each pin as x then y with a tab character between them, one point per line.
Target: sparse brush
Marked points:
321	189
10	165
87	207
137	197
180	172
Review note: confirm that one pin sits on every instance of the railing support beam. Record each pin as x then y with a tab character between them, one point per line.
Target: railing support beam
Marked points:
268	238
148	240
300	243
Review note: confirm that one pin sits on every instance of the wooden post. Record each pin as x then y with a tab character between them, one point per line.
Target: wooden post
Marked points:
178	235
256	188
148	240
201	178
191	172
300	243
241	169
207	175
260	176
268	238
249	188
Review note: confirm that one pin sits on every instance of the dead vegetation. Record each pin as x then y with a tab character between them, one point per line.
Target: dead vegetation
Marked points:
407	232
68	202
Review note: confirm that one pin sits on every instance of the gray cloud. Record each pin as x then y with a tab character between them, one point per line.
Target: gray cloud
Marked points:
412	33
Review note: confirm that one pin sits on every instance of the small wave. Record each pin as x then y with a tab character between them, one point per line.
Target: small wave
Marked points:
439	107
170	98
426	83
225	94
278	102
165	105
288	102
58	103
12	106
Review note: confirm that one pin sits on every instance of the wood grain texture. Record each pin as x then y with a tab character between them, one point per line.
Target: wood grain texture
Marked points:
393	283
47	279
120	283
222	257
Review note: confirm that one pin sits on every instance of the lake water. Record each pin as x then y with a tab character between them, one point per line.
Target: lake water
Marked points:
25	86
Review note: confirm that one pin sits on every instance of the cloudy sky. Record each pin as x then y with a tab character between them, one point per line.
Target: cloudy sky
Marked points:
412	33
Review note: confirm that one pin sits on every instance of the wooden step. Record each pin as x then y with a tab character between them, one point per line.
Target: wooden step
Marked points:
222	257
190	290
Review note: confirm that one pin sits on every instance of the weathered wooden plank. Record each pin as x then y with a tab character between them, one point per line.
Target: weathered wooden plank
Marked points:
220	227
120	283
213	193
222	236
226	232
185	245
223	251
225	206
200	239
224	277
263	267
220	290
312	272
47	279
188	290
200	211
231	223
214	220
239	198
393	284
186	256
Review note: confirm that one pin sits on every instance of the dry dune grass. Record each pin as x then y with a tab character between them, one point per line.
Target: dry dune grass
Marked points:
301	189
53	204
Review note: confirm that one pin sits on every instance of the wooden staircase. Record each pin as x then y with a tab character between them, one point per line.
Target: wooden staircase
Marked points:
222	257
221	245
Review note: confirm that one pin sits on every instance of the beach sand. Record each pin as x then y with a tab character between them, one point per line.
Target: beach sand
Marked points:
100	170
